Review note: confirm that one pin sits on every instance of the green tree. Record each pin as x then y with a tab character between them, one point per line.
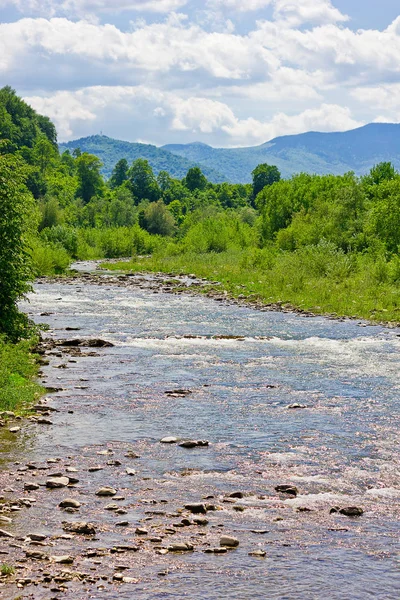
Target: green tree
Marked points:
16	222
264	175
195	179
89	177
157	219
119	174
143	183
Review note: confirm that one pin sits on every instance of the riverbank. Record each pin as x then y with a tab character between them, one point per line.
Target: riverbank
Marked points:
285	286
19	368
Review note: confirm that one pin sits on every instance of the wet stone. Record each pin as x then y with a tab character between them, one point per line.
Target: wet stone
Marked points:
169	440
80	527
69	503
196	509
291	490
57	482
106	491
258	553
228	541
348	511
216	550
30	486
180	547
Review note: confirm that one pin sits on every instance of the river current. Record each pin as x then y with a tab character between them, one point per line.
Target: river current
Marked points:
340	449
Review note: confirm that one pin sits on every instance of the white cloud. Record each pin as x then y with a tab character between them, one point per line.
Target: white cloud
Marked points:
291	11
196	115
381	97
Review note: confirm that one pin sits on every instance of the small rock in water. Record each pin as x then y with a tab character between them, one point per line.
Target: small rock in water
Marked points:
79	527
169	440
193	443
36	555
216	550
57	482
141	531
130	472
5	520
30	486
5	534
69	503
63	560
296	405
180	547
37	537
14	429
287	489
131	454
258	553
106	491
229	542
196	509
348	511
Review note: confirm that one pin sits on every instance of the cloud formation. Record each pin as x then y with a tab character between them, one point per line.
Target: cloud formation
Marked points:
177	77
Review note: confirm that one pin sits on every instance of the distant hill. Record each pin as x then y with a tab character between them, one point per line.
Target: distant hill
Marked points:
356	150
110	151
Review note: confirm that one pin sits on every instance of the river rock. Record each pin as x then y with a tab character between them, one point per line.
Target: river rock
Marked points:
141	531
216	550
57	482
296	406
37	537
169	440
30	486
79	527
14	429
291	490
5	534
130	472
69	503
196	509
348	511
62	560
106	491
228	541
236	495
180	547
193	443
36	555
5	520
201	521
258	553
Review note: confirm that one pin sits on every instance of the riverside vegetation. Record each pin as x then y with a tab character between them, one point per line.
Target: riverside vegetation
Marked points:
326	244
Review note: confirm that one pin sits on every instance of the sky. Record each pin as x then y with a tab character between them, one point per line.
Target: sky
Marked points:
223	72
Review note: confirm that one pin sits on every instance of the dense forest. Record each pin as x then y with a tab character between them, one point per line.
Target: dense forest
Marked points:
327	243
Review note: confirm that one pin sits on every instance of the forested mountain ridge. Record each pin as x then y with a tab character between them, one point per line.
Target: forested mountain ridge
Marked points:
335	153
110	151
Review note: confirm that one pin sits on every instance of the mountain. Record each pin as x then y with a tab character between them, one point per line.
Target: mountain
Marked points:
356	150
110	151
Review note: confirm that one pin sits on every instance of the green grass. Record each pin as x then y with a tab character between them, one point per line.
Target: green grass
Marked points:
18	370
318	279
6	570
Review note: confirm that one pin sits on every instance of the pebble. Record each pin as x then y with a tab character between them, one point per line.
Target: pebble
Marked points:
5	534
348	511
141	531
37	537
169	440
130	472
79	527
57	482
287	489
62	560
69	503
180	547
296	405
106	491
14	429
196	509
216	550
229	542
258	553
194	444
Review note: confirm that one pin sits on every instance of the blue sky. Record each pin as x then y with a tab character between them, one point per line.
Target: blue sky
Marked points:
224	72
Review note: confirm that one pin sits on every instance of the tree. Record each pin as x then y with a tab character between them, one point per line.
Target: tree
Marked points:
143	183
89	177
16	221
195	179
157	219
119	174
264	175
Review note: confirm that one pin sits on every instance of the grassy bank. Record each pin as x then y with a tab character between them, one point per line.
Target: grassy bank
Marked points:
317	279
18	370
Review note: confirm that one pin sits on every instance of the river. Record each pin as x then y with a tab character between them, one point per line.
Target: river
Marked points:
244	369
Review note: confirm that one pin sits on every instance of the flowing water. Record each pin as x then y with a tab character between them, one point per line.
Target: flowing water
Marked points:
340	449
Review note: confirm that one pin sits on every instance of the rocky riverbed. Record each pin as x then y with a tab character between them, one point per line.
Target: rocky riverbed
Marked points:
191	447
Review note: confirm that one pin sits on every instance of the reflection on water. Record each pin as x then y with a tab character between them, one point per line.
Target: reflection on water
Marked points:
341	449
